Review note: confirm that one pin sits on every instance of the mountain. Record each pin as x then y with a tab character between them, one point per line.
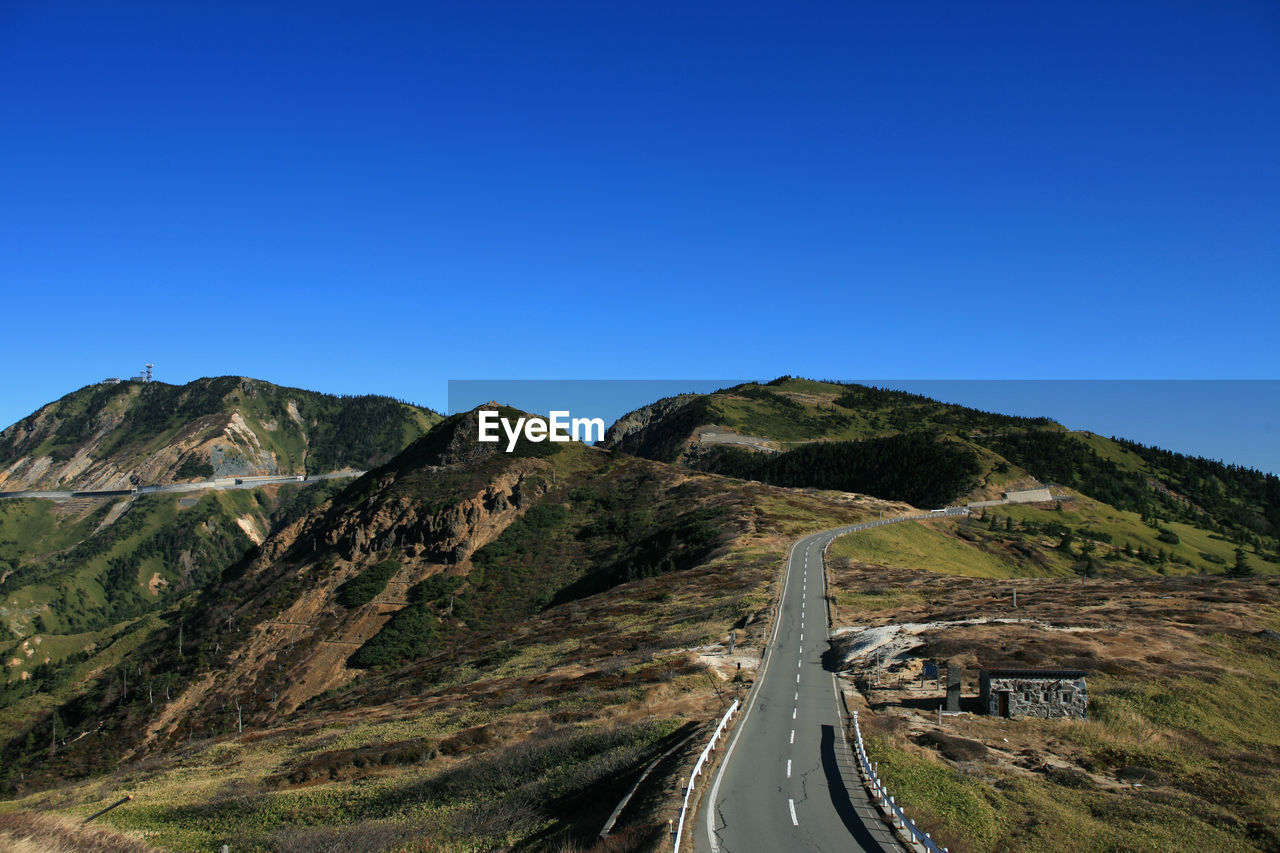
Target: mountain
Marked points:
902	446
466	648
506	637
116	434
74	573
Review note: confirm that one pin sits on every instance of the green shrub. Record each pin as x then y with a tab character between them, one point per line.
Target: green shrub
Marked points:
367	585
194	468
409	635
435	588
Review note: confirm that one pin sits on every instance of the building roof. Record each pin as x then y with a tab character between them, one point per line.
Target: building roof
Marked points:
1035	673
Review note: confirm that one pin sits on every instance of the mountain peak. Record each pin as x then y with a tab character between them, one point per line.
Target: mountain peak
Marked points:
114	434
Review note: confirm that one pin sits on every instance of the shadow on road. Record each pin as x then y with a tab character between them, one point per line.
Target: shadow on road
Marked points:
840	797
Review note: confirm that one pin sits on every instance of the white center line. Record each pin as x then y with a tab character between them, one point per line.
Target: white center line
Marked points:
797	678
802	650
797	699
802	637
794	822
793	735
793	712
788	768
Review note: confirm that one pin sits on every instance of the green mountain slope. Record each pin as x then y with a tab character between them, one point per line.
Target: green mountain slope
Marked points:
902	446
108	436
77	575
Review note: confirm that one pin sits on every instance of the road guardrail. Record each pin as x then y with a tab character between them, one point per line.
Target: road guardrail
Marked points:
888	805
697	769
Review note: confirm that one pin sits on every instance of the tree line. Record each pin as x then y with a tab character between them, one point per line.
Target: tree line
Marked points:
918	467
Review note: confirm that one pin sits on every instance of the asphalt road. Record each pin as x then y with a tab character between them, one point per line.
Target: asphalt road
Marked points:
223	483
719	437
788	781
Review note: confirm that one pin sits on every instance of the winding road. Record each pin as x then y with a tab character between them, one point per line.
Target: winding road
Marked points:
788	780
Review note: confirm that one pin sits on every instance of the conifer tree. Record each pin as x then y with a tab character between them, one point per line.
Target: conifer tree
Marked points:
1241	567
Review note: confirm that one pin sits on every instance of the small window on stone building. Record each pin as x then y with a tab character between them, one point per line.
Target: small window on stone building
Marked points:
1066	697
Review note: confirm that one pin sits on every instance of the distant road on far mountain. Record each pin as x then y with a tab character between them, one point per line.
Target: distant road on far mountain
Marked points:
220	483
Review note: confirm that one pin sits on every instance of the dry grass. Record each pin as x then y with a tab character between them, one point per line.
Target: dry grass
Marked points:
29	832
1180	750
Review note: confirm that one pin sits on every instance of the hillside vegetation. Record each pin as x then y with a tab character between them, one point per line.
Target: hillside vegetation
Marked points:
468	649
109	435
454	650
1078	536
1180	747
917	467
75	576
897	445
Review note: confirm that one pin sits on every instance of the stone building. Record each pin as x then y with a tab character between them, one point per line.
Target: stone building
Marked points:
1034	692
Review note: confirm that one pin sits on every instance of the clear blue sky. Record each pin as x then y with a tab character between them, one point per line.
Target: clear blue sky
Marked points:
381	197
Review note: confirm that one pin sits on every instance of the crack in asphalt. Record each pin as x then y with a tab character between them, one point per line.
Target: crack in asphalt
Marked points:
720	838
804	785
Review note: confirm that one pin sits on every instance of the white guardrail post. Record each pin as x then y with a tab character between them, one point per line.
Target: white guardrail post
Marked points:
697	769
887	804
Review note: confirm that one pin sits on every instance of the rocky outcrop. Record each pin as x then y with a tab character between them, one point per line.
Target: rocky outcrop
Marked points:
663	431
641	418
446	536
296	647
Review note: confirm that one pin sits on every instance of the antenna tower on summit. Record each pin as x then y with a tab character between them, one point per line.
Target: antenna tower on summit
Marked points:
146	374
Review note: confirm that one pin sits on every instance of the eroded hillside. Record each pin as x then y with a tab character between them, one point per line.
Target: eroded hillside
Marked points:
113	435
